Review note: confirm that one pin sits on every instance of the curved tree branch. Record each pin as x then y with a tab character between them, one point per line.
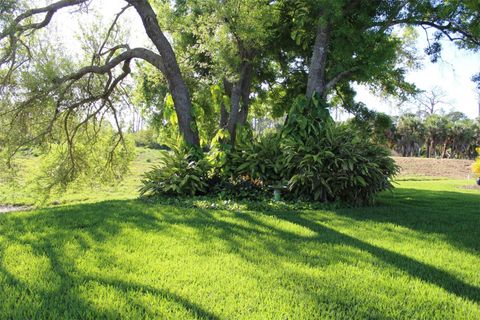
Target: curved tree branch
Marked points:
49	11
176	83
447	29
165	61
338	77
140	53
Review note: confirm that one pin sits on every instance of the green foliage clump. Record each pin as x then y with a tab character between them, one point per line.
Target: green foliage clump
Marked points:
315	158
260	159
228	178
181	171
93	160
374	126
336	164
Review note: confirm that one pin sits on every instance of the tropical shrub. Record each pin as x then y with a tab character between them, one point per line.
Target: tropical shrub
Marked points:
260	159
218	156
327	161
181	171
314	157
336	164
233	174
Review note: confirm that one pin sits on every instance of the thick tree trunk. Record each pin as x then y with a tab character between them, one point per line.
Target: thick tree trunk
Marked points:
433	149
240	100
316	74
235	105
245	95
224	114
171	70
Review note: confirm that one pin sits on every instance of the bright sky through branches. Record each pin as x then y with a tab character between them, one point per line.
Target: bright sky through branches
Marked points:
452	74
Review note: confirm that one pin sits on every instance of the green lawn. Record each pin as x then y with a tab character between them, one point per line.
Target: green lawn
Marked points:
416	255
23	190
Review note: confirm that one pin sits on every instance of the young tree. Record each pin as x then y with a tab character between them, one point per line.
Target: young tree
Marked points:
223	46
460	135
409	135
435	133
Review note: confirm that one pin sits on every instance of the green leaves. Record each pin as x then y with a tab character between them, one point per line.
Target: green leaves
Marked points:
260	159
316	158
182	171
329	161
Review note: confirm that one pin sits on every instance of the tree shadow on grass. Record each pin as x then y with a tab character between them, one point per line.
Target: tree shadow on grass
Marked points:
292	242
88	225
455	215
72	306
127	286
85	225
414	268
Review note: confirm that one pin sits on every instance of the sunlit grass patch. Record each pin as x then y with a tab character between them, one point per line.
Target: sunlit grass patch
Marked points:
404	259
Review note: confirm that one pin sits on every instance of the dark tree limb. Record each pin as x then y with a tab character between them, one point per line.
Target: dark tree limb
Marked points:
448	29
140	53
49	11
239	99
339	77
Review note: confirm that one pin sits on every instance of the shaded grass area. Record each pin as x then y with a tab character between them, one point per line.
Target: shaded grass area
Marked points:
414	255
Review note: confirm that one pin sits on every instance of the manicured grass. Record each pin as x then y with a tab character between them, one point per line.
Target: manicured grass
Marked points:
416	255
23	190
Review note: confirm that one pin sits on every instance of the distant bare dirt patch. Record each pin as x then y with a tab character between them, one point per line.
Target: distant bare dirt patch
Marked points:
442	168
7	208
471	187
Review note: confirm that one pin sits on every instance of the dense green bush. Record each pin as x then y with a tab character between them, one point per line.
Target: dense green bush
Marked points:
335	164
329	161
260	159
314	157
181	171
229	176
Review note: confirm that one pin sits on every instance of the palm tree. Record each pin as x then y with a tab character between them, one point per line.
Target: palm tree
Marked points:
409	134
435	132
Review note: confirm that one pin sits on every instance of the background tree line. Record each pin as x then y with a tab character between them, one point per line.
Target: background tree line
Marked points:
443	136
